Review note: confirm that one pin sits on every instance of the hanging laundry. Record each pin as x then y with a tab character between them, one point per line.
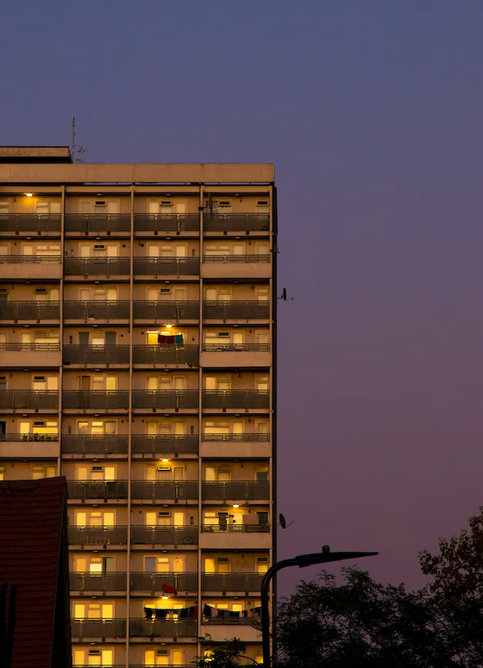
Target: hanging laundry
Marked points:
178	339
209	611
148	613
166	339
168	589
161	614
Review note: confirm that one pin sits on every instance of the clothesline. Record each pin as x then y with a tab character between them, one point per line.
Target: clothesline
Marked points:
192	612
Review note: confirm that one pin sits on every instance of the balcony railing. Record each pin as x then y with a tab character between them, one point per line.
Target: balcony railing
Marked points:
236	310
164	444
235	490
164	266
32	399
236	347
97	581
96	399
166	399
97	222
235	438
115	535
164	310
96	354
160	354
164	535
235	528
236	259
97	489
30	259
96	310
236	399
30	222
163	628
170	490
30	347
231	621
29	437
30	310
155	581
96	266
98	628
79	444
166	222
236	222
224	582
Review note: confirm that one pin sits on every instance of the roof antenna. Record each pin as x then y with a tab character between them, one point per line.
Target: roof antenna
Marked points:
284	296
73	140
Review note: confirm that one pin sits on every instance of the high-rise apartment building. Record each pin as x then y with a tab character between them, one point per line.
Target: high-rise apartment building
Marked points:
137	334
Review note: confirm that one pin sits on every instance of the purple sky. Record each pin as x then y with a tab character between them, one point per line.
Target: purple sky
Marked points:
372	113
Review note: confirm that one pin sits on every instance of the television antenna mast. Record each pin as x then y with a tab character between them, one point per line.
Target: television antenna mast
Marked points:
73	140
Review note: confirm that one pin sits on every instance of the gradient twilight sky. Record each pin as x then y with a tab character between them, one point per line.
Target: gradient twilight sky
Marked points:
372	113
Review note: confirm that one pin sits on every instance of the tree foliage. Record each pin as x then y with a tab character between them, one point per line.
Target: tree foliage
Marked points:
229	654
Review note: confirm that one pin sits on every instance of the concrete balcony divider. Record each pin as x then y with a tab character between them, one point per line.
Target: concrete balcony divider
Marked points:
236	310
163	628
100	582
97	222
80	444
35	267
153	582
95	536
29	445
98	628
30	354
164	535
249	490
96	399
96	310
235	445
95	355
165	444
102	490
166	222
236	399
236	266
167	266
166	311
97	266
170	490
236	222
29	399
165	399
172	354
36	311
236	537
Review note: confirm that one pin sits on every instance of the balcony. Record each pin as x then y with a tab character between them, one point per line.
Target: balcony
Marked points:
97	222
28	223
159	354
100	490
236	310
165	444
248	490
236	399
96	355
164	535
222	628
166	311
167	266
30	354
35	267
96	399
97	266
165	399
98	629
163	628
98	536
231	582
236	536
99	582
236	266
14	400
33	311
236	222
29	446
171	491
94	445
153	582
235	355
235	445
166	222
96	310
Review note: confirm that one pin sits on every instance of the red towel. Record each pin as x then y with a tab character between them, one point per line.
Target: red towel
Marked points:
168	589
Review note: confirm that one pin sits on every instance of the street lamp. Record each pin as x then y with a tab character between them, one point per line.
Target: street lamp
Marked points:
301	561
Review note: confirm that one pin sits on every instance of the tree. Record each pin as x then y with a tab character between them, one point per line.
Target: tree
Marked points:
225	655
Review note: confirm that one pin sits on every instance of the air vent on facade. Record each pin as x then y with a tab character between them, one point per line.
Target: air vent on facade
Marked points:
101	202
162	652
94	652
262	203
39	379
166	203
262	559
99	247
223	560
165	291
97	469
41	291
39	424
164	513
164	468
225	335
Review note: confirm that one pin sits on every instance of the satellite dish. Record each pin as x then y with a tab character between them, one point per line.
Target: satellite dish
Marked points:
282	521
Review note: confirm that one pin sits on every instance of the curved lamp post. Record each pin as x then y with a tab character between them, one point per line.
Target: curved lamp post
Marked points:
301	561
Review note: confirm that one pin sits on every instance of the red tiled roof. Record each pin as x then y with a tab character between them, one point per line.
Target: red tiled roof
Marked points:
33	555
